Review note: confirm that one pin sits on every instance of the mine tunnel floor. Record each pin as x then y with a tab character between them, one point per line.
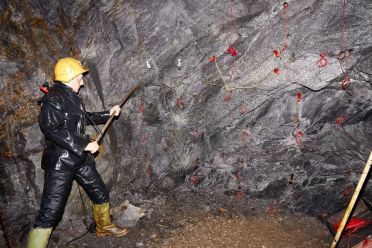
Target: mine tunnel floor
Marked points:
195	220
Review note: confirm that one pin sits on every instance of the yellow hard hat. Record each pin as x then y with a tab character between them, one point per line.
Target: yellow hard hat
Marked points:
68	68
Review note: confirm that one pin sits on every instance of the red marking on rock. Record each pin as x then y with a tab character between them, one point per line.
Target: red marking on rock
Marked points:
276	53
196	134
239	194
194	179
244	136
180	102
212	59
141	107
276	71
299	137
299	96
345	82
340	120
243	108
228	96
143	139
231	51
322	62
149	171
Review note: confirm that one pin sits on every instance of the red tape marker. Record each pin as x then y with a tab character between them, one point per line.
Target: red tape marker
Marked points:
299	96
43	89
228	96
194	179
322	62
276	53
141	107
212	59
231	51
180	102
340	120
239	194
299	137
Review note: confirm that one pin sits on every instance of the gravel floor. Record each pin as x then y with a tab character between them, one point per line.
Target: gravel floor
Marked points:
254	232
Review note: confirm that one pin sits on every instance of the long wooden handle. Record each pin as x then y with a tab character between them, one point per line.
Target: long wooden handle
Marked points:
105	127
352	201
108	122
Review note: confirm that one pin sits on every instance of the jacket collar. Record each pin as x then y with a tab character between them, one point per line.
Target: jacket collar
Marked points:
65	88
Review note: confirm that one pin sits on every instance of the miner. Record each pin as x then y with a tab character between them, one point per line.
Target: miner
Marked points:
68	155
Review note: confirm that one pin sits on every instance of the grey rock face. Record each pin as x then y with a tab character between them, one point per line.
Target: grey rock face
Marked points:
230	126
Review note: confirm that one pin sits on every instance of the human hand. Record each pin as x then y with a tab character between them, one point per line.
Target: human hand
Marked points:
115	110
92	147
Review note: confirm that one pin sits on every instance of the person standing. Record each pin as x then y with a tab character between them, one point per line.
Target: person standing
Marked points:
68	155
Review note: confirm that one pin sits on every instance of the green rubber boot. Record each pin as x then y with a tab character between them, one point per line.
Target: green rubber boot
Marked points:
38	237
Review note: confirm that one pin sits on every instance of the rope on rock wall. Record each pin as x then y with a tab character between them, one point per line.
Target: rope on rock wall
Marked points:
344	54
285	7
278	53
296	120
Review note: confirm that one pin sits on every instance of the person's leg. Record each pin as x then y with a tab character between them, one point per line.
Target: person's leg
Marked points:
57	187
88	177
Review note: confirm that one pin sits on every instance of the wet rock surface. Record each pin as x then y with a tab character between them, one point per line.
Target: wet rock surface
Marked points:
233	127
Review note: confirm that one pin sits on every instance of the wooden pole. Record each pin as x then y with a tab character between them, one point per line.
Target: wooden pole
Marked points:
352	201
108	122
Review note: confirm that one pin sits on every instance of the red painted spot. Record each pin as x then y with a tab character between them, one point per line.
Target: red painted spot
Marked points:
244	136
228	96
285	5
299	137
343	54
239	194
322	62
243	108
143	139
276	53
194	179
212	59
141	107
299	96
180	102
345	82
276	71
149	171
196	134
231	51
340	120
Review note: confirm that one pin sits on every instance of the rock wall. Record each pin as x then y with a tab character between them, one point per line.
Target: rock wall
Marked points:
296	136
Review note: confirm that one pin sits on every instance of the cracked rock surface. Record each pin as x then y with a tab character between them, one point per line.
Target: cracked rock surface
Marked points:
230	127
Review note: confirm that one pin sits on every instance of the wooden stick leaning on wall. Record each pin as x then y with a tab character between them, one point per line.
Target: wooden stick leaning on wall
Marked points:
352	201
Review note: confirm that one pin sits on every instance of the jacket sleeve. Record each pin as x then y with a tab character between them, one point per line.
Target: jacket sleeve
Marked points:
51	120
98	117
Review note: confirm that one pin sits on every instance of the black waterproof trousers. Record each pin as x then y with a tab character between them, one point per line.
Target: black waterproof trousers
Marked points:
57	187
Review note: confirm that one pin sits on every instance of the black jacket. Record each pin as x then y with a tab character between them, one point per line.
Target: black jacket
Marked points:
63	123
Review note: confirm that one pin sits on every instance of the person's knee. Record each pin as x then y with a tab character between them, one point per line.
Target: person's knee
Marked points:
48	218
